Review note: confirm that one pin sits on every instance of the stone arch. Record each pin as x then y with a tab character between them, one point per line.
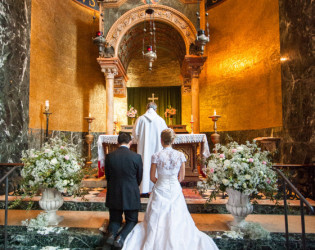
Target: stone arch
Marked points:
161	13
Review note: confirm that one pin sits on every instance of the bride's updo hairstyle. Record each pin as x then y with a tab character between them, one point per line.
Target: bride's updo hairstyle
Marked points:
168	136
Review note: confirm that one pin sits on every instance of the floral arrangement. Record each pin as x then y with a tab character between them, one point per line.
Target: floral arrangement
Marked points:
244	168
55	165
132	112
170	112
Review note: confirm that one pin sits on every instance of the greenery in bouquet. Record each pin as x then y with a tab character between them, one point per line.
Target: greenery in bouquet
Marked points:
132	112
170	112
244	168
56	165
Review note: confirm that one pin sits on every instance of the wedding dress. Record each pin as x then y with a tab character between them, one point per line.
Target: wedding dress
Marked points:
167	223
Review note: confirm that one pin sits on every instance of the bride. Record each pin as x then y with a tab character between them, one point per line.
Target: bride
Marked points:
167	223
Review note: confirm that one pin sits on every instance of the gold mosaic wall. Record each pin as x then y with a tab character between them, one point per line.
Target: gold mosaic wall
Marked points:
241	78
63	67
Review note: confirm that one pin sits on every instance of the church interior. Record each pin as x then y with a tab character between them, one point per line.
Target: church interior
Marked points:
233	70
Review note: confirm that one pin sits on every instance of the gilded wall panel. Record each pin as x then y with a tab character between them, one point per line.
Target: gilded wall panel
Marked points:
63	67
242	78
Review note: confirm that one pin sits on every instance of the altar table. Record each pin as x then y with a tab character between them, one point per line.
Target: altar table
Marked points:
188	144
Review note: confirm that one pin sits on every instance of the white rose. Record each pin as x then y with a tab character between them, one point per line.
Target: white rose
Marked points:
225	182
240	149
227	163
244	185
247	177
54	161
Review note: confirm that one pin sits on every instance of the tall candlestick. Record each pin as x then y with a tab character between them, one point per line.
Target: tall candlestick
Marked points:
47	113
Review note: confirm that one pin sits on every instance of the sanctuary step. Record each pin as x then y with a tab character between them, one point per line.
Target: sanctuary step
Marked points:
94	200
83	233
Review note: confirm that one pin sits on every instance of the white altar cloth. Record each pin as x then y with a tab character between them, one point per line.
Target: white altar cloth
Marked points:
180	138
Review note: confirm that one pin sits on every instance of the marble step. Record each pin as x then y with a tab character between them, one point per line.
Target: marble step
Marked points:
194	205
79	230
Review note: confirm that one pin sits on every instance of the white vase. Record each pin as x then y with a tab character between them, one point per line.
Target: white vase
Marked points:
51	201
239	206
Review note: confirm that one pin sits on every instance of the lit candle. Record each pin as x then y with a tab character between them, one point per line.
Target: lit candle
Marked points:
115	118
89	114
214	113
192	118
47	103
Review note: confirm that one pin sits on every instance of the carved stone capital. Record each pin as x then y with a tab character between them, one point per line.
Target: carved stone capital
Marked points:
112	67
110	72
192	66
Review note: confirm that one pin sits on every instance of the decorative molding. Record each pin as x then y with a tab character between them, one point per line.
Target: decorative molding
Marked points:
112	66
107	4
192	66
120	89
161	13
190	1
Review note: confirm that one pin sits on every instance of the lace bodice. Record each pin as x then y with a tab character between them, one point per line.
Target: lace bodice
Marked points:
168	161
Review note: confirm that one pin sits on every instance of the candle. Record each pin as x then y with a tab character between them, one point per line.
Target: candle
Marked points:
47	104
89	114
115	118
214	113
192	118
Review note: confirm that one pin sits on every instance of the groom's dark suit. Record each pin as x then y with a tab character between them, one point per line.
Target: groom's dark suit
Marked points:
123	170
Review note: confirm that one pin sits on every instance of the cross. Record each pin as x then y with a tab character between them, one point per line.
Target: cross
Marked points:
153	98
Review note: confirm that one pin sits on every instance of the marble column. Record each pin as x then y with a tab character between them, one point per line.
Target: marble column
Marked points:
191	68
297	77
110	73
195	102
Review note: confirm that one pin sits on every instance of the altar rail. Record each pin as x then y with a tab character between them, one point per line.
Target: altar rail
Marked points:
302	176
6	179
303	201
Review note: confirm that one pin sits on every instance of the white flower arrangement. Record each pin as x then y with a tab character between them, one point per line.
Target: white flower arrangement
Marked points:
244	168
56	165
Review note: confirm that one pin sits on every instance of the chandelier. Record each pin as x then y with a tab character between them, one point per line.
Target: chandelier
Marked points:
149	39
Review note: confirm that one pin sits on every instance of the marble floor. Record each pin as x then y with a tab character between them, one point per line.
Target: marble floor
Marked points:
205	222
191	196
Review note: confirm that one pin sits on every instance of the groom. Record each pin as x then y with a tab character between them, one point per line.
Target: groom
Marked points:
123	170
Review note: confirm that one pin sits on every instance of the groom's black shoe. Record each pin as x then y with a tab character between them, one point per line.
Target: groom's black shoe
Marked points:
110	238
119	242
147	195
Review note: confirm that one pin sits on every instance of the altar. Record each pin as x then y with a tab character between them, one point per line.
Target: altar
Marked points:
188	144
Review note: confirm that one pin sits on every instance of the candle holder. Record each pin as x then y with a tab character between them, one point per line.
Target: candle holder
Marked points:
192	127
115	128
47	113
89	139
215	137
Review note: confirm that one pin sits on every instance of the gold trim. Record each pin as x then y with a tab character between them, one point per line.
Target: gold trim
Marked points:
162	13
85	6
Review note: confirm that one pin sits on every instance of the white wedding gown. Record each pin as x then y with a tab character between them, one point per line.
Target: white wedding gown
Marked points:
167	223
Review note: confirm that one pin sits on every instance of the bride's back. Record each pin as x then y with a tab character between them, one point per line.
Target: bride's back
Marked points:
168	161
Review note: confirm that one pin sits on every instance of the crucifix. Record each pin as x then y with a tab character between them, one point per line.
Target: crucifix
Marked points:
153	98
